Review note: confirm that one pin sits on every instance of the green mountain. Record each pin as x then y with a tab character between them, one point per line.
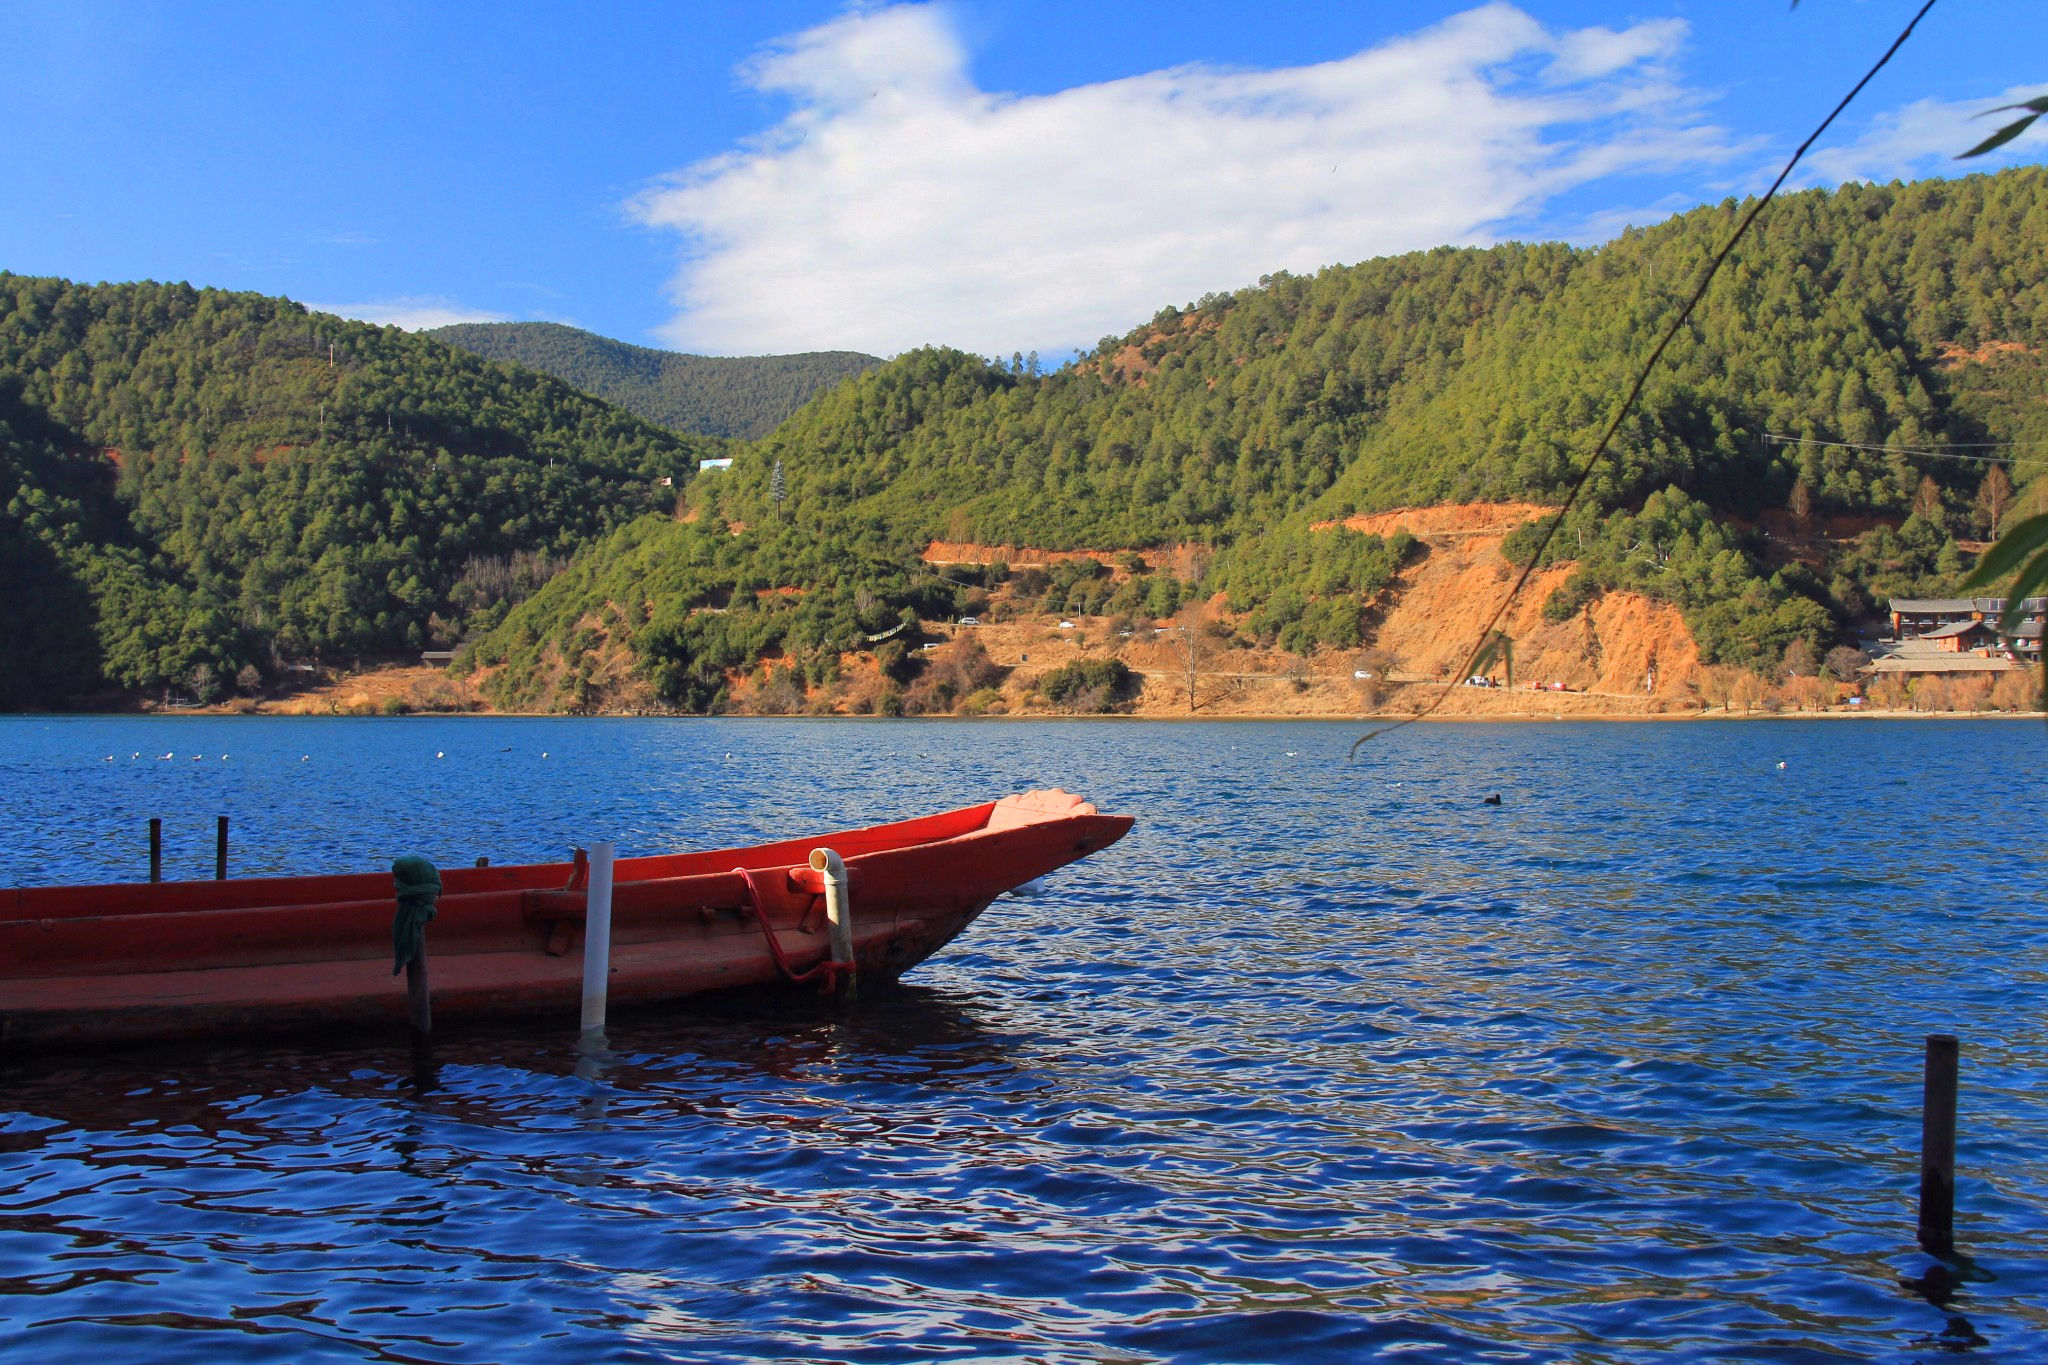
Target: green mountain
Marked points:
744	396
1853	329
199	486
1457	374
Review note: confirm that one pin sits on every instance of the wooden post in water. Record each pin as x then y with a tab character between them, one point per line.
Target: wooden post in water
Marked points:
597	936
156	849
1938	1147
418	885
220	848
419	996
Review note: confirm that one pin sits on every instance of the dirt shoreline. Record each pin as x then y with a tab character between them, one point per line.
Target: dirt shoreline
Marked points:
430	692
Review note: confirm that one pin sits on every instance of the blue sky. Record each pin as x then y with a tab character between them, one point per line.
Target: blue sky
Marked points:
990	174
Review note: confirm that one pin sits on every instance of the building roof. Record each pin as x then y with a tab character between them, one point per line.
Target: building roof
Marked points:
1933	606
1924	656
1941	663
1953	629
1942	606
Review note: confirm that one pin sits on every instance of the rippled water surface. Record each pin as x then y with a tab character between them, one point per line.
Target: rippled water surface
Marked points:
1323	1062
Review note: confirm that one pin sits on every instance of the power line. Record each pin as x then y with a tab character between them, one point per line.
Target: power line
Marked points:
1953	453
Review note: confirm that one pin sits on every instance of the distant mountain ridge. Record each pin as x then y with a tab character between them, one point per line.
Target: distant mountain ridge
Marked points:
200	488
736	396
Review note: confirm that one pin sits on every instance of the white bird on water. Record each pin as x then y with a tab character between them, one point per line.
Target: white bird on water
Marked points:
439	754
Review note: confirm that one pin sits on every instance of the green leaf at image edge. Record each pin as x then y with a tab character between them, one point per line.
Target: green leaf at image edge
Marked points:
2014	547
2039	104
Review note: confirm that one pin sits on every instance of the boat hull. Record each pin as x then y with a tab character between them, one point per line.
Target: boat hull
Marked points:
84	965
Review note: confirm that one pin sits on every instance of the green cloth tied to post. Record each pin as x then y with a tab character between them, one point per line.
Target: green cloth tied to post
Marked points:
419	886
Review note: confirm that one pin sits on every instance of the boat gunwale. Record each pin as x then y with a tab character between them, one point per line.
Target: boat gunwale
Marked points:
122	900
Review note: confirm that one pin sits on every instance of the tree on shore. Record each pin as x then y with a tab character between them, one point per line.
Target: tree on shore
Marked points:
1845	663
1192	648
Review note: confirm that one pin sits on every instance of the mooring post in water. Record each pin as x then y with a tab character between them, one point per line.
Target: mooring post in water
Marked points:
1938	1147
220	848
419	995
418	885
831	870
597	936
156	849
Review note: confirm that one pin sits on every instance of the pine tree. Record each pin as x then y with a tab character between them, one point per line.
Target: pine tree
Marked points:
1994	498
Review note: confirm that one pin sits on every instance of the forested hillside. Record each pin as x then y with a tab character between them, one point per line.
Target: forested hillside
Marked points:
1902	315
1868	354
737	396
198	487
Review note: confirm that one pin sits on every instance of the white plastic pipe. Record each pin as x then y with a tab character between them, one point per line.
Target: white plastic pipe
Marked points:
838	915
597	936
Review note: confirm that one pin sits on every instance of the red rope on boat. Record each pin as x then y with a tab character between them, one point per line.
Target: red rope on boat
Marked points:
826	973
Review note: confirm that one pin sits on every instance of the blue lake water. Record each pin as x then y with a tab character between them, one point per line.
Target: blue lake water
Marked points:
1324	1061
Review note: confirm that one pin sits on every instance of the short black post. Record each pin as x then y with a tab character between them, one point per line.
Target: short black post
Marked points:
1938	1147
417	883
156	849
419	996
220	848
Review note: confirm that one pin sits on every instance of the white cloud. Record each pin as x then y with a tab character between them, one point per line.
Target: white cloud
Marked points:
413	312
898	205
1924	138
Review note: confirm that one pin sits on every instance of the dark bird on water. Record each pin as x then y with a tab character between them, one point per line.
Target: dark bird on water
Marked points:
1493	800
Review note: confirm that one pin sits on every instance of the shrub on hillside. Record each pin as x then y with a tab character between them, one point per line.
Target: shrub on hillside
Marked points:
956	671
1089	685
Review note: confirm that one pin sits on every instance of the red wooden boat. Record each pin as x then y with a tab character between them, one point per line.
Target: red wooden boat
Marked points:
87	964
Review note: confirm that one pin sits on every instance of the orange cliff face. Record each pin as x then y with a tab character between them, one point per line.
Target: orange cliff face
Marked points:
1440	606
